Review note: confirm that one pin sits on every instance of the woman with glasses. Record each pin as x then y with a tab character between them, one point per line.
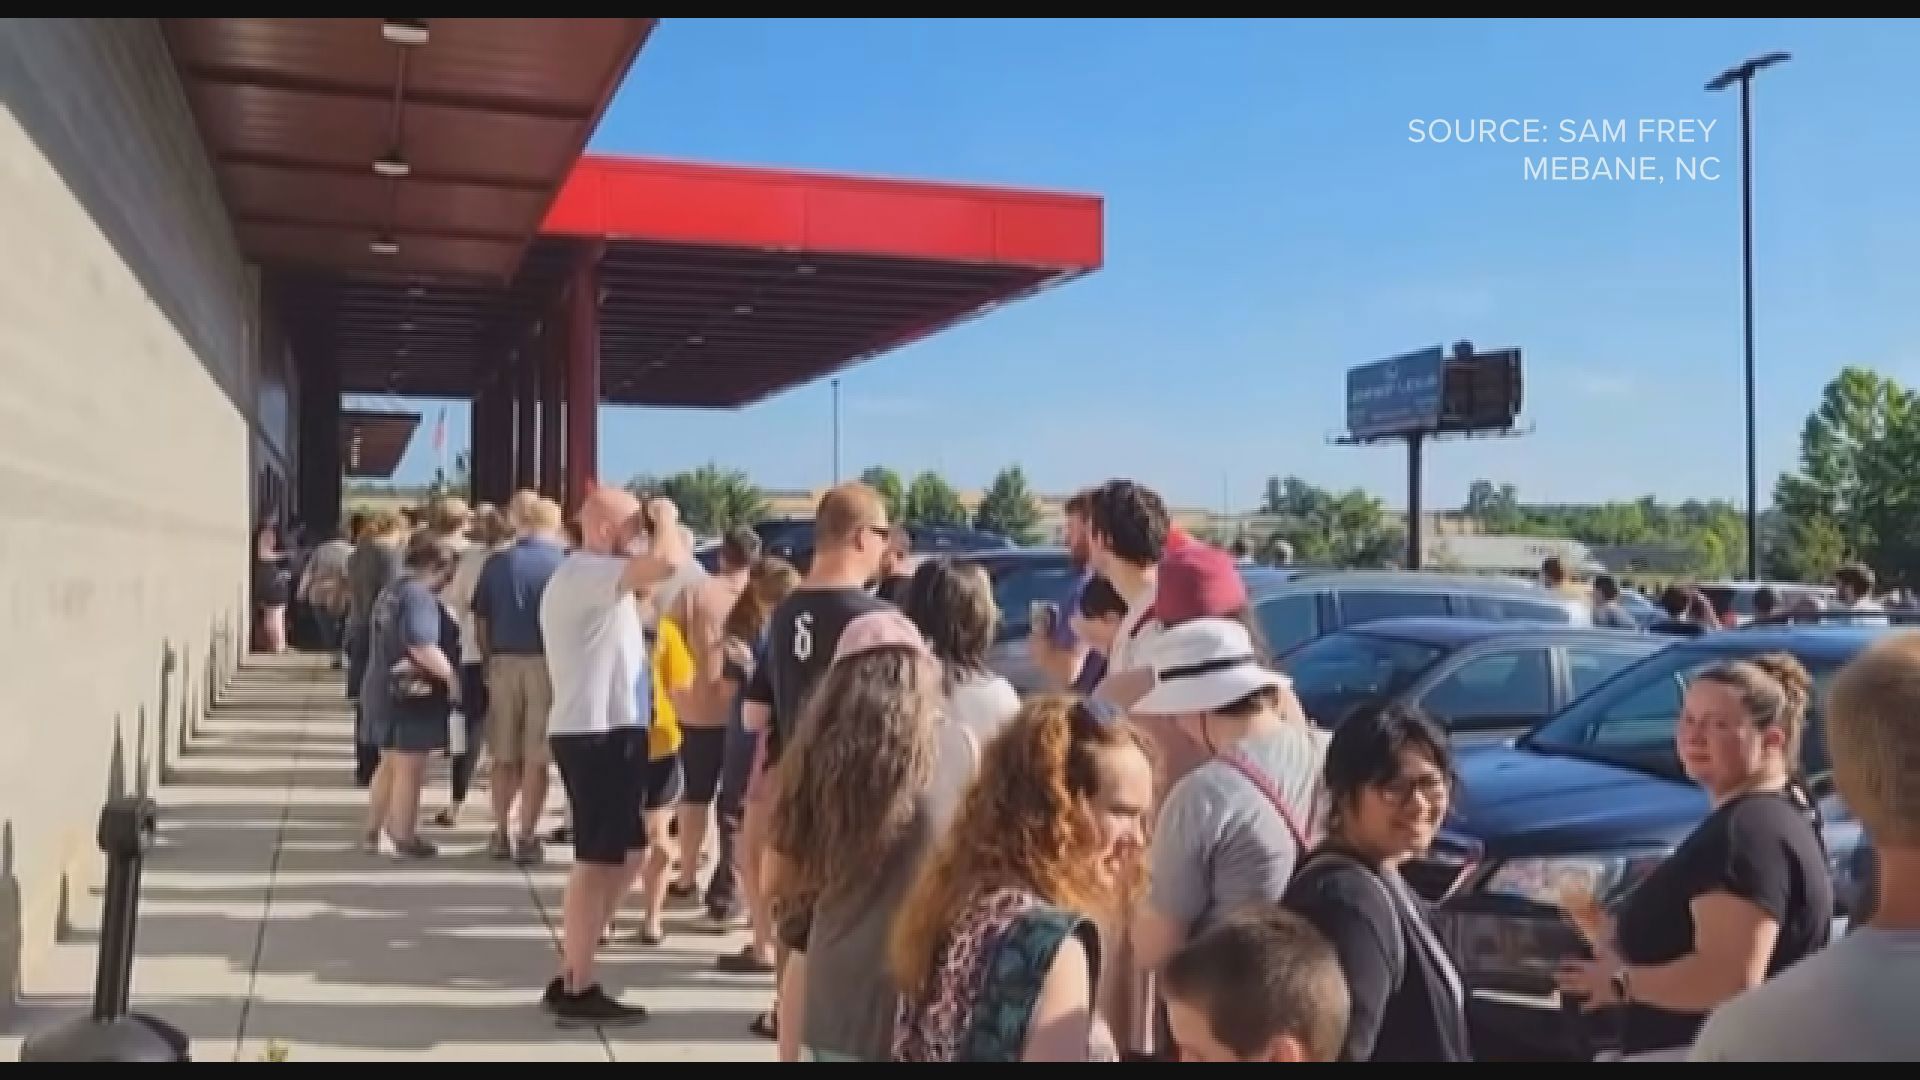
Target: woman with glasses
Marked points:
1389	779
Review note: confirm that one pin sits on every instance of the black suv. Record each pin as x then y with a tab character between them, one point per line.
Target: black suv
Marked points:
1594	795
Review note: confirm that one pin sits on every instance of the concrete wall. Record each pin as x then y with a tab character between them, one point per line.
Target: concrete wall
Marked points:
127	323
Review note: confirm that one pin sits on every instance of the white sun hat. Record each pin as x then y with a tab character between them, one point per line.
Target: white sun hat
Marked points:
1203	666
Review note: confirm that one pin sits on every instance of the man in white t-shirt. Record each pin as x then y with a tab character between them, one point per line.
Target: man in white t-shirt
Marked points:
1127	527
602	706
1854	1001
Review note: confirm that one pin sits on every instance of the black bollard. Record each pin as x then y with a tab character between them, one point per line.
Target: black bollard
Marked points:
112	1033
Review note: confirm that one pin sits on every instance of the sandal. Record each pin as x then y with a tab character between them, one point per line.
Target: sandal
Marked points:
743	963
766	1025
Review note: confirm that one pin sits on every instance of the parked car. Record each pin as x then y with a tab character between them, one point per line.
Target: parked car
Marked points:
1022	575
1595	794
1642	610
1482	678
1737	596
792	539
1316	603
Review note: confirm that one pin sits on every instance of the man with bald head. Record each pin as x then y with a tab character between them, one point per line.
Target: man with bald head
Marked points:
597	730
851	539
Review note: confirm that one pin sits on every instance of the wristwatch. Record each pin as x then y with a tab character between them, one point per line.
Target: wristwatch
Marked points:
1622	988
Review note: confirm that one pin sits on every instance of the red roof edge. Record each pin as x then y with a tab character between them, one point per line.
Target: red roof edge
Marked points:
619	198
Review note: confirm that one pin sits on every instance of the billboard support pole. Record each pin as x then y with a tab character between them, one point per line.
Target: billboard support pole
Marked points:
1416	446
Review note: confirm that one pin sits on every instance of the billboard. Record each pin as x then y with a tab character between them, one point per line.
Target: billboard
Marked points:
1392	397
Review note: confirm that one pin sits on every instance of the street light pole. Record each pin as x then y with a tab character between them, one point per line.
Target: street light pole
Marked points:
836	431
1743	74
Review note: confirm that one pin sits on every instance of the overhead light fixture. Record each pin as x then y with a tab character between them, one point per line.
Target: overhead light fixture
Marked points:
407	326
393	166
696	339
743	309
401	352
405	31
383	245
804	268
416	291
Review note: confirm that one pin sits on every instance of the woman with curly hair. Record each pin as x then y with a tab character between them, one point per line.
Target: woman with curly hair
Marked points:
996	946
859	809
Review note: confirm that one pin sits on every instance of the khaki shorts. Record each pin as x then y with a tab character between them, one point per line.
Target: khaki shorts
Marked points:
519	696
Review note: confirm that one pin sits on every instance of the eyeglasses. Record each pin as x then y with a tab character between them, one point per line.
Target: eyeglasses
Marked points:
1431	789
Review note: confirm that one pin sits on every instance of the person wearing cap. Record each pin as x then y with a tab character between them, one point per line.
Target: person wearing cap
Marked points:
1198	581
1232	829
861	805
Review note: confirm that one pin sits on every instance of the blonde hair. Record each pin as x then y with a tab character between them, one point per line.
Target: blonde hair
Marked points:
521	508
843	512
1874	740
386	524
545	516
448	515
490	528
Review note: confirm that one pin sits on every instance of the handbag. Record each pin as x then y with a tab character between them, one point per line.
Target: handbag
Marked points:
407	684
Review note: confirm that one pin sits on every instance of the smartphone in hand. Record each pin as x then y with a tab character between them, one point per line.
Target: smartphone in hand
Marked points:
1044	617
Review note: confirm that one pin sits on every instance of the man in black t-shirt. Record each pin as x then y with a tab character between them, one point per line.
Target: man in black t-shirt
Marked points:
851	543
851	539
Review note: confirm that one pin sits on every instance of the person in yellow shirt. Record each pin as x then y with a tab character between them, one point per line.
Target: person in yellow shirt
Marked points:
666	780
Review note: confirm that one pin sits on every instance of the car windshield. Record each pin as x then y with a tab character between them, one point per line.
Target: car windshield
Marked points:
1630	719
1335	674
1018	582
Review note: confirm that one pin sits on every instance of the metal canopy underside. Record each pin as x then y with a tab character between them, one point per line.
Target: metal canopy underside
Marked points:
488	117
709	327
371	443
719	285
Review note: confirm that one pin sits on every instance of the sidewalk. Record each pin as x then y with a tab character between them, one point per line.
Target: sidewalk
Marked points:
263	926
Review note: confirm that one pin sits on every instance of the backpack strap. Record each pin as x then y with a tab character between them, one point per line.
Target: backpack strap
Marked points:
1265	785
1396	942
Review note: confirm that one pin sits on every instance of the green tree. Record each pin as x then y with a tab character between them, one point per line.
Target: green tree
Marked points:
1326	529
932	501
1856	491
1009	508
711	499
892	492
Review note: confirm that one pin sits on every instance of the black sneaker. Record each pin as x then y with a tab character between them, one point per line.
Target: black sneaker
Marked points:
556	990
593	1008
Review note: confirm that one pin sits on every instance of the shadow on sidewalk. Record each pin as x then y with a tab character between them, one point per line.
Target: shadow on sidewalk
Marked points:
262	920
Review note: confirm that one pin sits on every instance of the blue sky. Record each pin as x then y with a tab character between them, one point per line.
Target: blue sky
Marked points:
1269	224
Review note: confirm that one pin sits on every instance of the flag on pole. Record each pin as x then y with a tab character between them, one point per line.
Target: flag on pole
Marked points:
440	441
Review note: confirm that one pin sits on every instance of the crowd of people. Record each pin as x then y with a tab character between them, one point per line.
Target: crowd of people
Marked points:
1159	857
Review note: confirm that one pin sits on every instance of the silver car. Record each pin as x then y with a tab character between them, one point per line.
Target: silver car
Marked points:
1315	604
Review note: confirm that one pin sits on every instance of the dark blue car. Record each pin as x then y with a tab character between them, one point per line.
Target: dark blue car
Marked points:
1595	795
